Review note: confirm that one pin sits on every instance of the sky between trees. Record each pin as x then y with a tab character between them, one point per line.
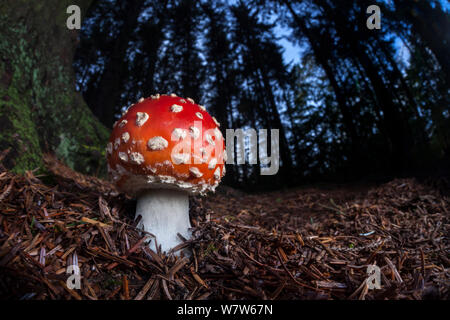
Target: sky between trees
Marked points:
349	102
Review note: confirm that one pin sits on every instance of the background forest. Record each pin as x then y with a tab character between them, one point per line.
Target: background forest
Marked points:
368	107
358	103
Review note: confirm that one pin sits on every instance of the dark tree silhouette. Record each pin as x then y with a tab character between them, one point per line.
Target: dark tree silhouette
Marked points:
353	107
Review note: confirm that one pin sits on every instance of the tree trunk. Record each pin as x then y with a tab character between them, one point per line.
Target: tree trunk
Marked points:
432	24
320	53
40	110
109	88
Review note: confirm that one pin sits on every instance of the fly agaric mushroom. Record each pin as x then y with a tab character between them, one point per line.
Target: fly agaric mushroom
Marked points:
163	149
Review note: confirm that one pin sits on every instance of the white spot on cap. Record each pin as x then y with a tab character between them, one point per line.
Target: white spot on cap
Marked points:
125	137
109	148
180	158
156	96
178	134
121	170
199	159
173	95
141	118
116	143
122	123
182	101
217	133
157	143
195	172
217	173
176	108
199	115
216	122
141	99
167	163
115	176
167	179
202	108
136	158
195	132
210	139
123	156
182	175
212	163
190	100
184	185
151	169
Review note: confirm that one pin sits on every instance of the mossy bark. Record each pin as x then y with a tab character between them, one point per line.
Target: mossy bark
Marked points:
40	110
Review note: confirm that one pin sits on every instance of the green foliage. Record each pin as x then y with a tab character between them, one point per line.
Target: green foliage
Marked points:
18	130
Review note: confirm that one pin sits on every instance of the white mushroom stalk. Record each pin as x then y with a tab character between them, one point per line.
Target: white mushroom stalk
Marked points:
165	214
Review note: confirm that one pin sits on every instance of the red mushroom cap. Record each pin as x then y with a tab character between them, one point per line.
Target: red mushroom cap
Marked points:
166	142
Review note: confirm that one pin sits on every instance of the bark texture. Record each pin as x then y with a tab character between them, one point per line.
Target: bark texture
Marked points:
40	110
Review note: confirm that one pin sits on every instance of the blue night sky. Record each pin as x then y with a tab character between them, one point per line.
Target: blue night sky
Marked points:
293	53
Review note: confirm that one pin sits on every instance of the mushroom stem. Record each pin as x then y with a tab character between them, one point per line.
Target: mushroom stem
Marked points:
165	213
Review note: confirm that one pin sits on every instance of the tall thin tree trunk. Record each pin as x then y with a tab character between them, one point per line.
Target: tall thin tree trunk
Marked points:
320	54
433	25
107	97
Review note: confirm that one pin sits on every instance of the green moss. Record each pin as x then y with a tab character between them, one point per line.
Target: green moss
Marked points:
66	148
18	129
39	107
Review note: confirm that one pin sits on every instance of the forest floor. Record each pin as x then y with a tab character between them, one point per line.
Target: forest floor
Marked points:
306	243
